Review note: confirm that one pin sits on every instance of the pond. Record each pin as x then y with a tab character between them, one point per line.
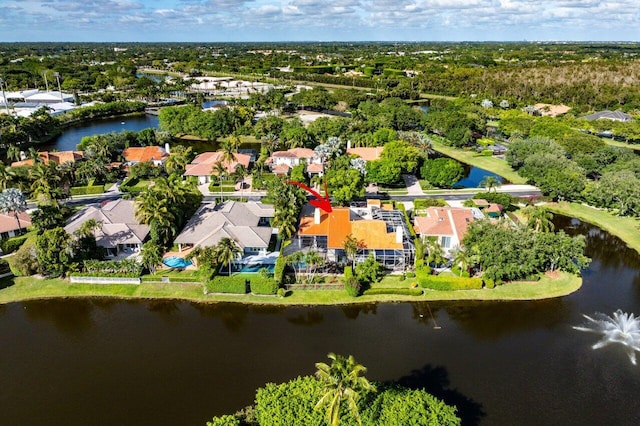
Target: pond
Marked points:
474	177
176	363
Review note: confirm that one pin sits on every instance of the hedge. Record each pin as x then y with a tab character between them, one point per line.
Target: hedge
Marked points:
442	283
105	274
278	272
234	284
86	190
12	244
399	291
423	203
4	266
261	285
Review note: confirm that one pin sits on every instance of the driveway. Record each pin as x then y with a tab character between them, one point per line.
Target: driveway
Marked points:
413	185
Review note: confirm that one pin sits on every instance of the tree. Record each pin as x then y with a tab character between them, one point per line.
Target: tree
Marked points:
490	182
13	152
220	171
151	255
384	172
178	159
343	382
369	271
538	218
13	200
442	172
403	155
239	174
462	259
226	251
351	245
53	252
435	254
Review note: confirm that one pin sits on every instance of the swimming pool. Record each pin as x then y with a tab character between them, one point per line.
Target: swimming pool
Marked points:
176	262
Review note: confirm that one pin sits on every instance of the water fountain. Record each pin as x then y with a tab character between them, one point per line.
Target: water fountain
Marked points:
622	328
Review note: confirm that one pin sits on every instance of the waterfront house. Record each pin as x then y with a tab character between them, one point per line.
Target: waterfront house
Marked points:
57	157
155	155
119	231
380	231
447	224
248	224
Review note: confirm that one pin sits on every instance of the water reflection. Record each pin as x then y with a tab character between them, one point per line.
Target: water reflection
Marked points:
353	311
71	317
233	316
307	318
493	320
435	380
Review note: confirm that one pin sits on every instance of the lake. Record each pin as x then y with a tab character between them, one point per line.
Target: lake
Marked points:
106	362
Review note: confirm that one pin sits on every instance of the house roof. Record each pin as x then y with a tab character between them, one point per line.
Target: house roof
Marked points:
203	164
59	157
340	223
8	221
444	221
119	225
551	110
608	115
281	169
294	153
367	154
231	219
315	168
144	154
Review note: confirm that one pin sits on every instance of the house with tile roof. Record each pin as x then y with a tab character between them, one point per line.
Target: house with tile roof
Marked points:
57	157
609	115
447	224
379	231
156	155
281	162
367	153
203	165
11	227
119	231
248	224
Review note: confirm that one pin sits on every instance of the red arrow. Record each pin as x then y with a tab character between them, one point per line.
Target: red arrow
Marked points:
324	203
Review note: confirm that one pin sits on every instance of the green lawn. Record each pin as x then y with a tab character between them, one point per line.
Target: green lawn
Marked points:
625	228
611	142
492	164
30	288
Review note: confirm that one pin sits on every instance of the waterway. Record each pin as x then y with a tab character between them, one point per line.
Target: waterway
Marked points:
104	362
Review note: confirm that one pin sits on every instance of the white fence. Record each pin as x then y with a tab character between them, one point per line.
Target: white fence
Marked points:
104	280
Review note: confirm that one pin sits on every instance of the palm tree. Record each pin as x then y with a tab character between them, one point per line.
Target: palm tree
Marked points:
221	172
239	174
151	255
6	174
351	245
490	182
229	149
13	152
13	200
539	218
312	260
294	260
435	254
226	251
45	180
178	160
342	381
461	258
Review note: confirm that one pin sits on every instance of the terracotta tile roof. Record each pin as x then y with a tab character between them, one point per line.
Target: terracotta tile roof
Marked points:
281	169
8	221
315	168
203	164
551	110
444	221
294	153
480	202
337	225
144	154
367	154
60	157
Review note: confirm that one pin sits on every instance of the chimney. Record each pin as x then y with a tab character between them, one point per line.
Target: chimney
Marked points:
399	234
348	143
166	148
316	216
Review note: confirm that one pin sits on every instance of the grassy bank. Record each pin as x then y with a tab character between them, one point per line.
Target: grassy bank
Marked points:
29	288
625	228
492	164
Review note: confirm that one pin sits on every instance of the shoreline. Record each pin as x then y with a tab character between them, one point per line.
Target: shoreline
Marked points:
32	289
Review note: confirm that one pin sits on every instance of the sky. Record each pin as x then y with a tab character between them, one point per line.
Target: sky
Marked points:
318	20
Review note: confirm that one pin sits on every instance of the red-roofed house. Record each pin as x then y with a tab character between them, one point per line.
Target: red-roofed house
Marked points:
382	233
203	165
9	225
448	224
153	154
283	161
60	157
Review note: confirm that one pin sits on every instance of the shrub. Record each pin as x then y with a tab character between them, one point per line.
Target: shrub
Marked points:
262	285
348	272
278	270
226	420
24	262
236	284
12	244
423	203
398	291
282	292
85	190
410	274
436	282
352	286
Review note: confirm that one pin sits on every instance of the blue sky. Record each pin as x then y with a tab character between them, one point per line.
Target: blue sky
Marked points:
318	20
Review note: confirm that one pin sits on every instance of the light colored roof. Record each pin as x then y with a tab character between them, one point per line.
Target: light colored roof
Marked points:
144	154
315	168
295	153
448	221
608	115
338	224
8	221
281	169
119	225
367	154
203	164
231	219
551	110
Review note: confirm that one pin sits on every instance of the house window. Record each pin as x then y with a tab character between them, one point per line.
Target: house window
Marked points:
445	242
